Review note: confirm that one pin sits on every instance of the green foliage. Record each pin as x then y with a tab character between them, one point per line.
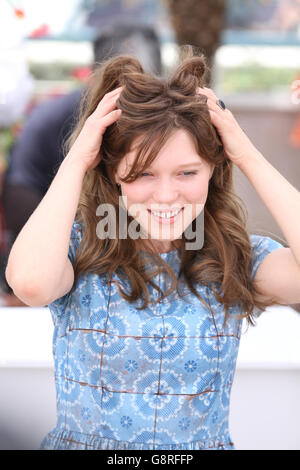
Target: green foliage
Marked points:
257	78
6	140
52	71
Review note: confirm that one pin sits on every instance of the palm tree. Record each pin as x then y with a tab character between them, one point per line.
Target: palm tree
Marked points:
199	23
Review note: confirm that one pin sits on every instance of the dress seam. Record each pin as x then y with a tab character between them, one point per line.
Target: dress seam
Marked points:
216	442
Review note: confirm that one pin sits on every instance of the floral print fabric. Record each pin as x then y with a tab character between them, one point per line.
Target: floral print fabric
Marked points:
158	378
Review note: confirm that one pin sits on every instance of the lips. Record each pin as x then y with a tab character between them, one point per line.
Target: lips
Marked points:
164	220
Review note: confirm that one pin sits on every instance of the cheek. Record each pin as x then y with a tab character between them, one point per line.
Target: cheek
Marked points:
136	192
194	190
197	190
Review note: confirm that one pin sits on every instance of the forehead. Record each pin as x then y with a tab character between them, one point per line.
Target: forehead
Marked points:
179	148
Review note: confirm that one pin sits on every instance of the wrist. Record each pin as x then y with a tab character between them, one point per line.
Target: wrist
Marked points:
75	163
253	158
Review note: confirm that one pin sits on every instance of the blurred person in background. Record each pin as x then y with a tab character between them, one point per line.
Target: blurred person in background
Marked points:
38	153
16	89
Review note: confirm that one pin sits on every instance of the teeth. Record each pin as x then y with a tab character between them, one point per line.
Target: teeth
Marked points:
166	215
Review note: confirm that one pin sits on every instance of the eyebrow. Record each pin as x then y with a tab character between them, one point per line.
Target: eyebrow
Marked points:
188	165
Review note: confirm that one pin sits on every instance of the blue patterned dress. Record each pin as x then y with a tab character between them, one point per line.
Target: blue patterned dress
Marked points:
158	378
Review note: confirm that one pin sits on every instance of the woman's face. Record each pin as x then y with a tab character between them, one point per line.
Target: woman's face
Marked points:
177	180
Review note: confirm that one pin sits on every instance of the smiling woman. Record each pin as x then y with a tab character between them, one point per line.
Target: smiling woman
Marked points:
146	339
165	123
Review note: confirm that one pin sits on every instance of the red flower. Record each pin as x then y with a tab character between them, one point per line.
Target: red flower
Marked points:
81	73
295	134
43	30
294	137
19	13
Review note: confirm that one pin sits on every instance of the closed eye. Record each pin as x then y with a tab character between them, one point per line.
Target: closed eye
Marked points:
186	173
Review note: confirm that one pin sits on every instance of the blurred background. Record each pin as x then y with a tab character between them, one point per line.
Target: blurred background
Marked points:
47	52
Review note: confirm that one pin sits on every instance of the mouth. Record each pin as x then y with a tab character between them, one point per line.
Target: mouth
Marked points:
165	217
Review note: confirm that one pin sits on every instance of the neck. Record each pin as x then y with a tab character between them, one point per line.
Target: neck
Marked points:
157	246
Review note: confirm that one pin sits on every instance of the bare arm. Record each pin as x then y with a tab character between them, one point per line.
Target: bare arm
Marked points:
278	276
37	259
38	264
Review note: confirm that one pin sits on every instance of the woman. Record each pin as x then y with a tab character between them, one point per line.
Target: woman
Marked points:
148	313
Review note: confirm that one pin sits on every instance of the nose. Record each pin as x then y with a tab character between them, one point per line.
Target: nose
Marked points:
165	192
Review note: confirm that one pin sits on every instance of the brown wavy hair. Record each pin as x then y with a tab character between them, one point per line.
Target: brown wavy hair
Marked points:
153	107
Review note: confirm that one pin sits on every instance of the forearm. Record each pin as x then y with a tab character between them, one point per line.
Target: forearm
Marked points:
278	195
38	256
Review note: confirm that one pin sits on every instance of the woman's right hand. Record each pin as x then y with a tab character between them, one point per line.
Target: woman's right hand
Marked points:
87	145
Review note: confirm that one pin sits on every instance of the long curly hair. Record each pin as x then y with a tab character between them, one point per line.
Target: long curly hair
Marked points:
153	107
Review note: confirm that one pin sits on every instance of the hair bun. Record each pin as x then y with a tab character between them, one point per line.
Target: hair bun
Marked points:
119	67
191	71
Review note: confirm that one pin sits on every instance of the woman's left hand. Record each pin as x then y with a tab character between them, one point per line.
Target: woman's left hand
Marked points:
237	145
